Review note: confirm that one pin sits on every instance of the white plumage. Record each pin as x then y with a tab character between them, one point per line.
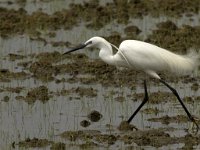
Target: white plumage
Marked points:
145	57
152	59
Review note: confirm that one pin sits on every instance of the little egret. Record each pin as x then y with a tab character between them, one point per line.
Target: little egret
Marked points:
144	57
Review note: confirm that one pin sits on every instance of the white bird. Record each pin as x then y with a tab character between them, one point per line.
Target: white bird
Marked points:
144	57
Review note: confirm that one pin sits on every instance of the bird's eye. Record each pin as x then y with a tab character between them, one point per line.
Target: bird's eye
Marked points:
89	42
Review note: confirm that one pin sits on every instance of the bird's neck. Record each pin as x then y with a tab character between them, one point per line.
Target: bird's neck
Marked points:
106	53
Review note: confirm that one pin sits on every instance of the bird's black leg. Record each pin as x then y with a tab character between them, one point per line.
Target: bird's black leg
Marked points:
143	102
179	99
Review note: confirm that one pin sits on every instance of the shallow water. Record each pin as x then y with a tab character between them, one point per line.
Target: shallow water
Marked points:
20	120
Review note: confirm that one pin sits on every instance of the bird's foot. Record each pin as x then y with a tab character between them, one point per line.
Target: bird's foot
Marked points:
125	126
195	127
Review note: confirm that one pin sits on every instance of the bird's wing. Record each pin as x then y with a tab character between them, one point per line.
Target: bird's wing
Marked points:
141	55
151	58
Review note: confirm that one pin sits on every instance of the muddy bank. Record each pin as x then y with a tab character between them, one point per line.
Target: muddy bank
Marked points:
39	143
47	66
154	137
95	16
34	143
96	71
18	21
169	36
94	139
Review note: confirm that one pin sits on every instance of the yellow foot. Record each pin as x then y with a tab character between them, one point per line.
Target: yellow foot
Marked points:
195	127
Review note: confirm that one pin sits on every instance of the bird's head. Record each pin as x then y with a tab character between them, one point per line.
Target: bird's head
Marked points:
93	42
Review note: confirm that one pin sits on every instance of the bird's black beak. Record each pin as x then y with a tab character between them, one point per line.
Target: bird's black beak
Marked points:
81	46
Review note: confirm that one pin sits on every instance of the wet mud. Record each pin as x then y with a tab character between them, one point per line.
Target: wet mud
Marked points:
40	143
88	92
12	89
58	146
35	142
13	57
157	97
167	119
94	139
40	93
85	123
7	75
151	110
156	138
169	36
125	126
94	116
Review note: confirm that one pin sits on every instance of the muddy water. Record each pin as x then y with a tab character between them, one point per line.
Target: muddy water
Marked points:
47	100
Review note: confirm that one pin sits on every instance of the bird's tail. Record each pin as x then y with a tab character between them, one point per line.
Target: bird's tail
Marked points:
185	64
